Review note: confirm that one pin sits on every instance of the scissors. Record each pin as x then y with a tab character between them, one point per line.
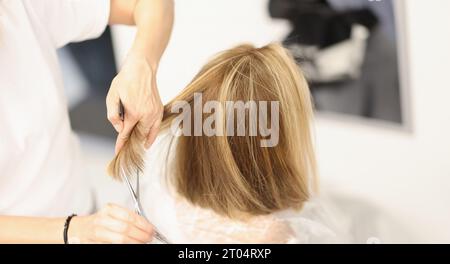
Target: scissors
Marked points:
138	207
135	194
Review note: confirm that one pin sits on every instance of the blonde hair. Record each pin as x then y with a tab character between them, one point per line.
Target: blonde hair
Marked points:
234	175
130	158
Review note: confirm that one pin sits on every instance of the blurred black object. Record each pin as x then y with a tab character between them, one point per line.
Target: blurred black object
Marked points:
96	61
318	25
316	22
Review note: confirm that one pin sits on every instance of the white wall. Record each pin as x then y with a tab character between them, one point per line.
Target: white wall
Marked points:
408	173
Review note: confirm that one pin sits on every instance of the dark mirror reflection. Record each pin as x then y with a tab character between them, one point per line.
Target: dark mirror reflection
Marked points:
348	50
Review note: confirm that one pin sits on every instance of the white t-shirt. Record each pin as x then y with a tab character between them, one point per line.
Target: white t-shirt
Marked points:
39	163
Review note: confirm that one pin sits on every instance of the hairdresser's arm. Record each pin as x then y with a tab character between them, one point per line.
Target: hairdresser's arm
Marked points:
113	224
15	229
136	85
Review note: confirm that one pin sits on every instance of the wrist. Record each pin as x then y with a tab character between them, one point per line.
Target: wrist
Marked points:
76	230
138	55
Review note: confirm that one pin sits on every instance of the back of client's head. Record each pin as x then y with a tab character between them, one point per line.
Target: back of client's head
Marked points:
235	173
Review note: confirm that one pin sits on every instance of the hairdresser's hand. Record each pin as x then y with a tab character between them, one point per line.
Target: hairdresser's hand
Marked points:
135	86
113	224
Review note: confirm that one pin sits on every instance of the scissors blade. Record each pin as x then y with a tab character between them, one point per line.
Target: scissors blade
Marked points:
130	189
135	195
140	211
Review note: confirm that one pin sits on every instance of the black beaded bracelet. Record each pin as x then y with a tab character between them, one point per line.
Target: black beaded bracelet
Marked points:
66	227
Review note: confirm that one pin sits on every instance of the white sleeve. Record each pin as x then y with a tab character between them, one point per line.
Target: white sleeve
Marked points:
72	20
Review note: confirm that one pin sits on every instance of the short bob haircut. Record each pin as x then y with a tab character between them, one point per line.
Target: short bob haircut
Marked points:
234	175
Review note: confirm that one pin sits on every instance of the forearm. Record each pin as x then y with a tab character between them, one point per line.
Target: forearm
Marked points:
32	230
154	22
135	86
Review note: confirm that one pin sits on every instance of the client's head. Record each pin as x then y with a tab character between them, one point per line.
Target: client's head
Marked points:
245	146
250	151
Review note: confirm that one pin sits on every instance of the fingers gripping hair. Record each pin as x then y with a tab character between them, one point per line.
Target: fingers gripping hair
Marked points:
130	158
